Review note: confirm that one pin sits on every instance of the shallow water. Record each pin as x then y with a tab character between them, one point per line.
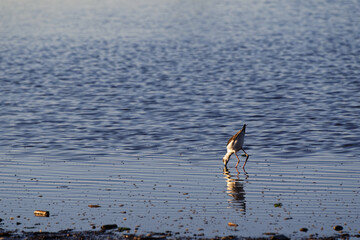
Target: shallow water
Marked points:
130	105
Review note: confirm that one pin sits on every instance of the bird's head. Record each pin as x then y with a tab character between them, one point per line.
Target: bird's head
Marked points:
226	160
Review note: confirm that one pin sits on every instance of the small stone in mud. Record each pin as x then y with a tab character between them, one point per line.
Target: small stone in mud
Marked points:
232	224
269	233
108	226
345	236
279	237
41	213
121	229
5	234
94	206
227	237
338	228
303	229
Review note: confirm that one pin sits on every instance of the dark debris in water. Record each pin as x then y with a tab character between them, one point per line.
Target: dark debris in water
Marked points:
121	229
108	226
278	205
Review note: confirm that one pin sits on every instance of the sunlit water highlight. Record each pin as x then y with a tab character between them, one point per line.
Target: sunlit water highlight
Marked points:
130	106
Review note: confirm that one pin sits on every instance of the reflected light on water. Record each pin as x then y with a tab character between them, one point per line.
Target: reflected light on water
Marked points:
235	189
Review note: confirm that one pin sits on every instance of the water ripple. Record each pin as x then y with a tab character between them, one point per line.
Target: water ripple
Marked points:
131	104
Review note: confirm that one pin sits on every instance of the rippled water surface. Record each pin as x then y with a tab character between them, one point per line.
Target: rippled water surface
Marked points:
129	105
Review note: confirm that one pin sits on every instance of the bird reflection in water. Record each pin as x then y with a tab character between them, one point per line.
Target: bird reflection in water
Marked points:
235	189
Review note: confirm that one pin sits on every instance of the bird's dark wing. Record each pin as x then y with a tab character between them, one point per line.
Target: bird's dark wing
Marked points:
236	135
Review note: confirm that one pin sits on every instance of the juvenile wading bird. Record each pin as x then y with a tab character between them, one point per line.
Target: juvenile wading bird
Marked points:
234	145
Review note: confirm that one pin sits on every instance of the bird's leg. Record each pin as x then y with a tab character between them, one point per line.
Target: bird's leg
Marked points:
247	156
237	161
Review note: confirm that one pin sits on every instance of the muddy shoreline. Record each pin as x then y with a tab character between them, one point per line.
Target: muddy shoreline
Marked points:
115	234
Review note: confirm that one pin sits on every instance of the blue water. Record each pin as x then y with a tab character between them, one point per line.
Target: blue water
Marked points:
154	89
